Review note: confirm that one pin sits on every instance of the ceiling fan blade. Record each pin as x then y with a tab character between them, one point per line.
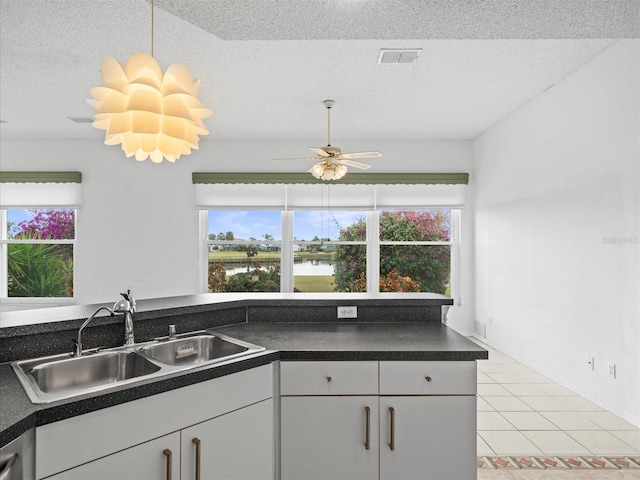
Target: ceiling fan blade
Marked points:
319	151
295	158
351	163
361	155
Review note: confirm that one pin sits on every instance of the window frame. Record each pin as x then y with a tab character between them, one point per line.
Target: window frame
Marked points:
372	242
4	247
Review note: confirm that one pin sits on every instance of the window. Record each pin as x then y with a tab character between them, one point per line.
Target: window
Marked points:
38	253
331	251
415	251
243	250
327	247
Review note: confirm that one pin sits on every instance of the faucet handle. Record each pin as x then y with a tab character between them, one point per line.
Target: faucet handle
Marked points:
129	298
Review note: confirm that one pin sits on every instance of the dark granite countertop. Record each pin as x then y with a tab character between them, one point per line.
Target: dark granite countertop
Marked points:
283	341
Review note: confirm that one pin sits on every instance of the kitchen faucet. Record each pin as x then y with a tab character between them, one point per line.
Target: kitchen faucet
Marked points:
126	306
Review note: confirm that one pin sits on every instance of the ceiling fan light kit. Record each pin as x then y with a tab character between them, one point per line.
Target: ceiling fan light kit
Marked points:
151	114
331	162
328	171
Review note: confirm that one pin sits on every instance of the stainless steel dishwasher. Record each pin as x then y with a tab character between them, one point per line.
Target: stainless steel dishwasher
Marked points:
17	458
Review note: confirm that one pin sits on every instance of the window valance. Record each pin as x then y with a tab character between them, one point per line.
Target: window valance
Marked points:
40	189
290	191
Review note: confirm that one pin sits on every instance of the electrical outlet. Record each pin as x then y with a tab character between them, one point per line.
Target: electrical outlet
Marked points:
590	363
612	370
347	312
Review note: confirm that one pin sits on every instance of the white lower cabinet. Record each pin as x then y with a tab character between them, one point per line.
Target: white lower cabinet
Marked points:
428	437
238	445
326	438
152	438
151	460
426	430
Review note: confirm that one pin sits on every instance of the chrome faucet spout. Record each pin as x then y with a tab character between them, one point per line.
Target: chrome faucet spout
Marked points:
78	350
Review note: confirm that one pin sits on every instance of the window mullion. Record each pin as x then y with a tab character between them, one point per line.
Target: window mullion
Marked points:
286	253
5	260
373	252
203	220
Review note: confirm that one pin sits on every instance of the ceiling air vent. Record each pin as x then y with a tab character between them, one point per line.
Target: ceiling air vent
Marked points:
390	56
81	119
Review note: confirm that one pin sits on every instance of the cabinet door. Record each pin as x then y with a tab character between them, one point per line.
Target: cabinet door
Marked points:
238	445
428	437
324	438
146	461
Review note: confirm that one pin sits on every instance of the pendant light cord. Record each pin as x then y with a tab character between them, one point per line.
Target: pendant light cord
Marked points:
152	23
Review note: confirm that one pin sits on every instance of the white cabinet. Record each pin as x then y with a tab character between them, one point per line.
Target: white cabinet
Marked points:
151	460
329	420
234	411
432	437
238	445
422	421
326	438
430	431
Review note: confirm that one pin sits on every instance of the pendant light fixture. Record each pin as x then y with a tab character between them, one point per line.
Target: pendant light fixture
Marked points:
151	114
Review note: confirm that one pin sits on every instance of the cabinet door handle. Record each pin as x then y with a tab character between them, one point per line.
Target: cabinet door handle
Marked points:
167	453
392	429
428	379
196	442
367	430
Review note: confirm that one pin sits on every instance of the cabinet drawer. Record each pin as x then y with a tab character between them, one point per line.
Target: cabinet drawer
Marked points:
329	378
428	378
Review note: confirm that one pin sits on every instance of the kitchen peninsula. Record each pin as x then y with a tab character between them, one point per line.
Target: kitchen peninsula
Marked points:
378	357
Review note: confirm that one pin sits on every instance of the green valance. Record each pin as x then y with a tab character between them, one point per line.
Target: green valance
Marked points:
40	177
349	179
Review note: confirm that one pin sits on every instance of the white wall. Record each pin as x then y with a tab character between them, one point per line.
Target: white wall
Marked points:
138	227
557	216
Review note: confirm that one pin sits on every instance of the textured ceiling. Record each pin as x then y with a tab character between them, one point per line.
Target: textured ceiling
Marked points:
266	66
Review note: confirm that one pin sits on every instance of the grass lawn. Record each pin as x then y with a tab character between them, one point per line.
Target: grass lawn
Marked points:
234	255
313	283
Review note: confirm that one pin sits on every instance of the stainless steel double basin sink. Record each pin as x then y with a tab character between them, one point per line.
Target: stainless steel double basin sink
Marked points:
58	377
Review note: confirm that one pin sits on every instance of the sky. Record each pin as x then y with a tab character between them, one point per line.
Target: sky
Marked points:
306	224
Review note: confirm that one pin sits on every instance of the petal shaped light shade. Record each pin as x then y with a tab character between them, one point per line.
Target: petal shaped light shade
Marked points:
150	114
327	170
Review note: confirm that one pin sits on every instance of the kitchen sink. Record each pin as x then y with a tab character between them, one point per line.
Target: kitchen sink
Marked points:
194	349
90	370
63	376
58	377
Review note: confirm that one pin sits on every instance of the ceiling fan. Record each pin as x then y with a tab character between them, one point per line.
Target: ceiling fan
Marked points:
331	162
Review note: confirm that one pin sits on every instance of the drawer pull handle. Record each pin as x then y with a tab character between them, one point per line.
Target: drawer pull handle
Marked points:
428	379
392	435
328	379
367	431
167	453
196	442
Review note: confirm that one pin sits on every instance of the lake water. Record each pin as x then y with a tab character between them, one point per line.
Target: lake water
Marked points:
307	267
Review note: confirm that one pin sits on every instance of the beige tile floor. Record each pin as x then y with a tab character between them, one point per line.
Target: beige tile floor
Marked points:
523	413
